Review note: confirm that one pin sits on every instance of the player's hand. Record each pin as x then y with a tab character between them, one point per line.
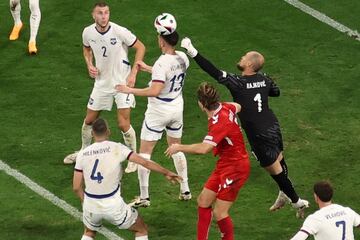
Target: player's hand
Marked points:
123	88
190	49
174	148
143	66
93	71
130	81
173	177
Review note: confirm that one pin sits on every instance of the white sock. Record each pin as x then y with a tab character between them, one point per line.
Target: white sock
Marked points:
144	175
84	237
15	9
35	18
130	138
86	135
142	238
181	168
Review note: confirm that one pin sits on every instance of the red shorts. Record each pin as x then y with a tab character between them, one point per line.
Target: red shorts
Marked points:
227	182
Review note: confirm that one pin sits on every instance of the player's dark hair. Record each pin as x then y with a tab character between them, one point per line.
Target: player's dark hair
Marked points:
208	96
100	127
323	190
171	39
100	4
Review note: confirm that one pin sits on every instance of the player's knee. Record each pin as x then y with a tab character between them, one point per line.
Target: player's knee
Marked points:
124	125
34	7
202	202
220	213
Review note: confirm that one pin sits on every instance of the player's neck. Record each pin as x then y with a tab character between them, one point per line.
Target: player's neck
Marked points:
168	50
100	139
248	72
324	204
102	29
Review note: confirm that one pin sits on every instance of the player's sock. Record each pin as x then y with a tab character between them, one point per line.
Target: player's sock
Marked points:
15	8
142	238
86	136
286	186
143	175
284	166
84	237
181	168
130	138
203	225
35	18
226	228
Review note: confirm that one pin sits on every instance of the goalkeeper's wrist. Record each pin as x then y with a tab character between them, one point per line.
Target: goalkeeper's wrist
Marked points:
192	52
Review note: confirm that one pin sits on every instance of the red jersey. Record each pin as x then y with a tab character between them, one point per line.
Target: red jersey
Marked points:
225	134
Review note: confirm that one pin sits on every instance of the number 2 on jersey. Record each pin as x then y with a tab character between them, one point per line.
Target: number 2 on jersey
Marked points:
104	53
180	80
98	177
343	228
257	99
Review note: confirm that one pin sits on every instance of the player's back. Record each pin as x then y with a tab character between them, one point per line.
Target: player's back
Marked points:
101	167
252	93
171	71
225	131
332	222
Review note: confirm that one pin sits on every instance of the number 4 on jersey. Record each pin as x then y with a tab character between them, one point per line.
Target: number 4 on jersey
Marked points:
98	176
257	99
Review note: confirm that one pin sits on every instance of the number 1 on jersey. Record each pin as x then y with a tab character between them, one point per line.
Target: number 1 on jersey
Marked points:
98	176
257	99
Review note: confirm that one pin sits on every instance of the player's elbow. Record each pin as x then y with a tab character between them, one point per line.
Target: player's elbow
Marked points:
204	149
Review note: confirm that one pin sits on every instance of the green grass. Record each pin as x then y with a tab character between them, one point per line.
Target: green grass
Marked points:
43	100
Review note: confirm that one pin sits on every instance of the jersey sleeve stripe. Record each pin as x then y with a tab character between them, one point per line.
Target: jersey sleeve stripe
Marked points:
78	170
210	142
159	81
304	231
133	42
126	62
128	156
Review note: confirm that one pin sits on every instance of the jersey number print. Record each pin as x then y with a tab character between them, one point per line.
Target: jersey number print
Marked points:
98	177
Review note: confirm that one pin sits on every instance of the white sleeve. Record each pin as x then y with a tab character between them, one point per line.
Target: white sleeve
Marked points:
79	163
184	57
85	39
311	225
158	72
300	236
356	216
125	152
126	36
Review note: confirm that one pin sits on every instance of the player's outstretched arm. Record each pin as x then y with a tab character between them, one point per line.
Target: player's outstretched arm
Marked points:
139	56
205	64
153	166
144	67
300	236
152	91
78	185
197	148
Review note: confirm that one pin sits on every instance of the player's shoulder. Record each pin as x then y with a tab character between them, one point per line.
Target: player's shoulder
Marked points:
89	29
181	54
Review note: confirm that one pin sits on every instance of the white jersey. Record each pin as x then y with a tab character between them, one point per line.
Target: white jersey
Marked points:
110	51
170	70
332	222
101	166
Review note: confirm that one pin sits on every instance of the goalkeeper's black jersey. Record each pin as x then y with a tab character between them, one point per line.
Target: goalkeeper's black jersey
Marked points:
251	92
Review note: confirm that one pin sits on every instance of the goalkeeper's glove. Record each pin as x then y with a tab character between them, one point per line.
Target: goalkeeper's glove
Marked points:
190	50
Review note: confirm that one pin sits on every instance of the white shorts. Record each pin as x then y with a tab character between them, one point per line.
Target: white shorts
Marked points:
123	218
155	123
104	101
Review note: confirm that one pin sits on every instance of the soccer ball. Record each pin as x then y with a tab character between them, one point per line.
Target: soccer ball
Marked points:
165	24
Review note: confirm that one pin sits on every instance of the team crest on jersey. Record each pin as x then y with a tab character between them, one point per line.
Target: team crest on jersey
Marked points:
113	41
